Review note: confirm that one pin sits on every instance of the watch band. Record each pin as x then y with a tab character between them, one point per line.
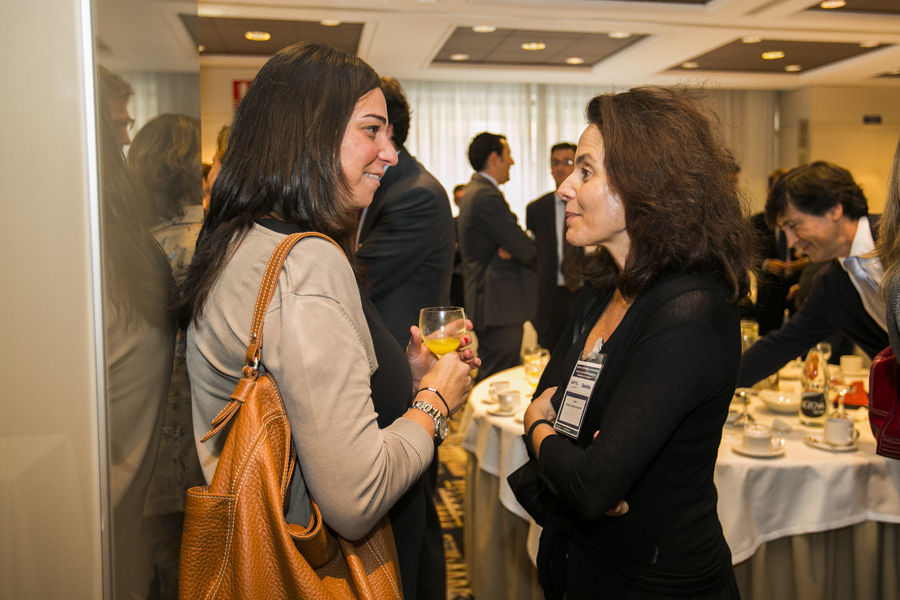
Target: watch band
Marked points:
440	423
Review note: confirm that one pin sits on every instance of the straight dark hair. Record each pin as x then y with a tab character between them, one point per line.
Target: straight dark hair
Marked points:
282	159
683	207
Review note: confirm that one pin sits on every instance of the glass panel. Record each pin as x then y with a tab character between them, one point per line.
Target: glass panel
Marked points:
148	105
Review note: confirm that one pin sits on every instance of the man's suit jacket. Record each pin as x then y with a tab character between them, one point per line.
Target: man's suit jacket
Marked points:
498	291
540	219
833	304
407	244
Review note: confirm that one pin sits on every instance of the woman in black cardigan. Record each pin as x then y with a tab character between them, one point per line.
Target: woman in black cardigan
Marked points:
627	499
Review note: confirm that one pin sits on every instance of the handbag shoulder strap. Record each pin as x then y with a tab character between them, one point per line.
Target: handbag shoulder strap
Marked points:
253	356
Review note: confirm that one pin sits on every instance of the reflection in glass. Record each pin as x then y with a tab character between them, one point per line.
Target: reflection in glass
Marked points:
148	108
139	338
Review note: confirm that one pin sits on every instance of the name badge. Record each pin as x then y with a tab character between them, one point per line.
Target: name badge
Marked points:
578	393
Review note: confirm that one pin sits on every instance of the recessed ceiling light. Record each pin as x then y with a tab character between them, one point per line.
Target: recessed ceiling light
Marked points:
869	44
330	22
201	48
773	55
574	60
833	4
459	56
534	46
689	65
484	29
619	35
793	68
258	36
751	39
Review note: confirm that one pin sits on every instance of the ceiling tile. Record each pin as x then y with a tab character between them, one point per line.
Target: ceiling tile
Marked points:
738	56
225	36
885	7
504	47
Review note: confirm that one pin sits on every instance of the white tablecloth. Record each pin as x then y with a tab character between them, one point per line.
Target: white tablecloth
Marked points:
804	491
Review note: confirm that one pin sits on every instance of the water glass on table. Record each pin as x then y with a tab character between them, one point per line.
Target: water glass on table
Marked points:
533	363
442	328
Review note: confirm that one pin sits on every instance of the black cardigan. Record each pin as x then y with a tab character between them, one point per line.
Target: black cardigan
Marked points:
659	406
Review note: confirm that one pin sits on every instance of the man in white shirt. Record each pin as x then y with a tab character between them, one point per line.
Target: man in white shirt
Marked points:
824	214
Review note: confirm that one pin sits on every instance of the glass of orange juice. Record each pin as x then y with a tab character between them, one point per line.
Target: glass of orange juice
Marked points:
442	327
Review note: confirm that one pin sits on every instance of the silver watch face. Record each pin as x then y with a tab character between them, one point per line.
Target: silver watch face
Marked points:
442	428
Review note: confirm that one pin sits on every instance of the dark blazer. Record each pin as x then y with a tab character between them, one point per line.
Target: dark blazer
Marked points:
407	244
497	291
540	219
833	304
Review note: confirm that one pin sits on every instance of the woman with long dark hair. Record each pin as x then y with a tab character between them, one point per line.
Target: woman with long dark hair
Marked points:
622	481
307	149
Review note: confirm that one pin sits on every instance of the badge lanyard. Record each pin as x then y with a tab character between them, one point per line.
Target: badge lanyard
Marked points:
578	392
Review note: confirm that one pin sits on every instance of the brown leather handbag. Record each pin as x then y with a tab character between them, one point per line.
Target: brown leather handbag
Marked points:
236	543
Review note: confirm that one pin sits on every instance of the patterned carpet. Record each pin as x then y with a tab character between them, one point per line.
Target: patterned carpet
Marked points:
449	500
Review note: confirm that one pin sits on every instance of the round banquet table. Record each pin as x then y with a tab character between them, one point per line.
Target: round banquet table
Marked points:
807	524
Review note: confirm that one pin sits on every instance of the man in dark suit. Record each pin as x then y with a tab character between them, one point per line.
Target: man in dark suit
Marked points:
824	215
558	262
498	258
406	242
406	238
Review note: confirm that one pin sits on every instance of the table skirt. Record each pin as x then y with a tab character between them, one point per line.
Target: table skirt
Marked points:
860	562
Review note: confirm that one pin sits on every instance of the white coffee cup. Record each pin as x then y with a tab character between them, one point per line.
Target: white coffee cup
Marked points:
851	363
757	438
509	400
495	388
839	431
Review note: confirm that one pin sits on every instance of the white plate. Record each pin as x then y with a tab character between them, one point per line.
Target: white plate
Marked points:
780	402
819	443
496	412
777	449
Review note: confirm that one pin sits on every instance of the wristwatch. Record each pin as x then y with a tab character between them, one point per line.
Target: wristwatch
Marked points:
440	422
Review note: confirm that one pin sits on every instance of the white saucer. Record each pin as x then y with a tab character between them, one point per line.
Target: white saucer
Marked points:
777	449
489	400
819	443
496	412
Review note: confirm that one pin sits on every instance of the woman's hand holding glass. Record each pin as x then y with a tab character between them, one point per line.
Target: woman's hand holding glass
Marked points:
421	359
450	376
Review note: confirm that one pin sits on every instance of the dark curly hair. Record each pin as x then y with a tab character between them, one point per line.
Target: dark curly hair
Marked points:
815	189
683	207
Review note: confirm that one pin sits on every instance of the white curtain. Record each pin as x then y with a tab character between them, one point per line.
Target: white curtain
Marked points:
747	120
159	92
533	117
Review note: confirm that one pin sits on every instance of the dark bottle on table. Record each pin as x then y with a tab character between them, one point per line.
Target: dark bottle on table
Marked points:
814	392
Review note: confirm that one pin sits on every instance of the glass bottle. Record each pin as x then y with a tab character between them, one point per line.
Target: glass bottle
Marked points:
814	392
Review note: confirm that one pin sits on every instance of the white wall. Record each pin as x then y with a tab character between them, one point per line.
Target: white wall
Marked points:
837	133
217	104
49	475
